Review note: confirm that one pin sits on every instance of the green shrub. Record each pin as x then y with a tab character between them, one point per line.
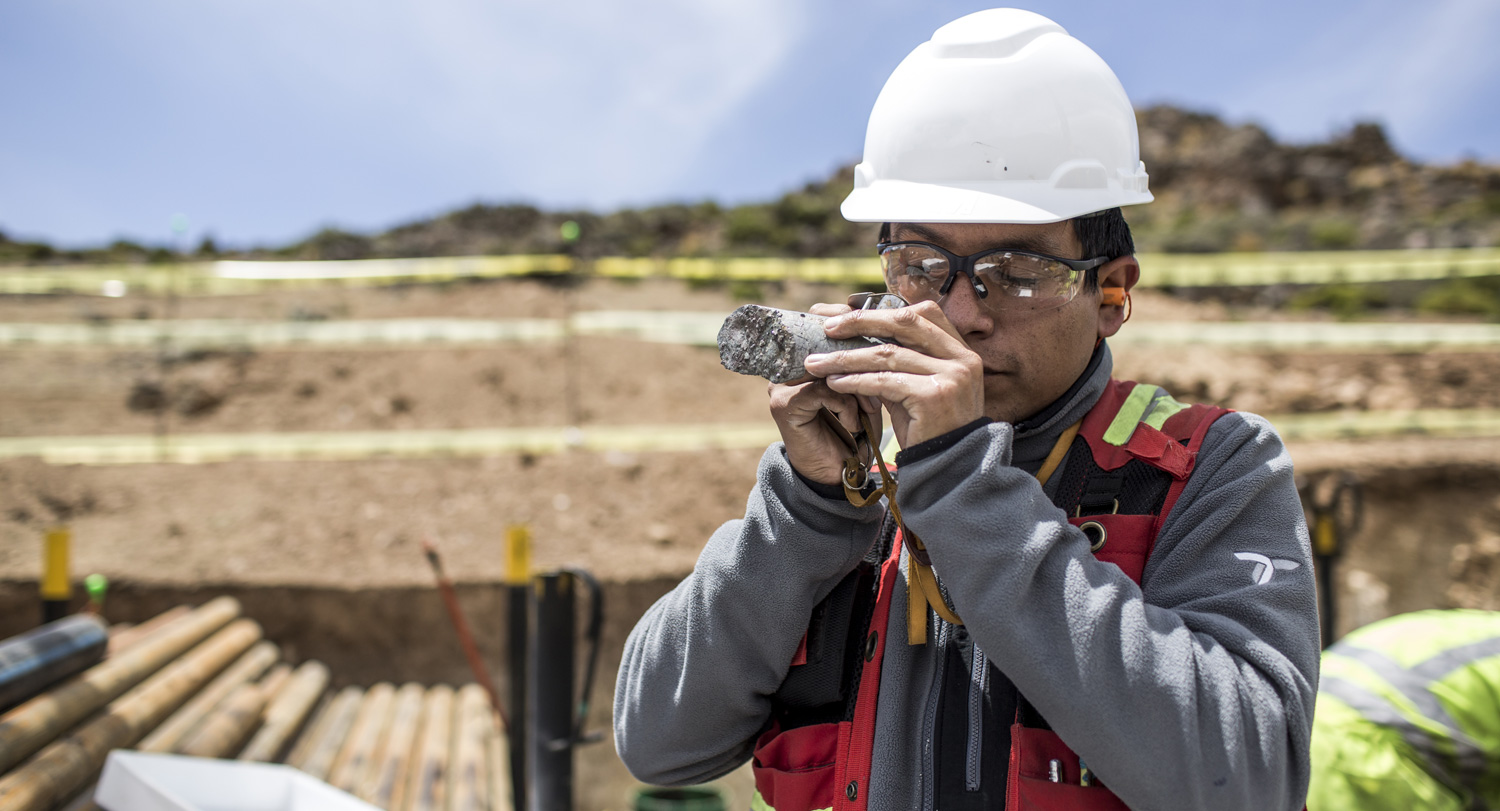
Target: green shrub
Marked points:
1344	301
1334	235
750	225
746	290
1463	297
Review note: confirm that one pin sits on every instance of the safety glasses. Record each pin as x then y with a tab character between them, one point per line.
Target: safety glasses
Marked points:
1004	279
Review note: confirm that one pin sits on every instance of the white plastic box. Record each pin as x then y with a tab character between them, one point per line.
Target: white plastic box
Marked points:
136	781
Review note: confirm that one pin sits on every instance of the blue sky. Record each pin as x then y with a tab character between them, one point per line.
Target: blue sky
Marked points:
263	120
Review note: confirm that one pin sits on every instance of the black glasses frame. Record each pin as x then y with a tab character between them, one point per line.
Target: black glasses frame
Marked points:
965	264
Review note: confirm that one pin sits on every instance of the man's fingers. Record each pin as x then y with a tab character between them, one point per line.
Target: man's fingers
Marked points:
889	386
849	413
830	310
921	326
800	402
884	358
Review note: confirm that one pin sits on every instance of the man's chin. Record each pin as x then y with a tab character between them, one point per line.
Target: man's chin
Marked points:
1003	400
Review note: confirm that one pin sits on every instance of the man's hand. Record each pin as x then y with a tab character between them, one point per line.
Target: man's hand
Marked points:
932	383
811	446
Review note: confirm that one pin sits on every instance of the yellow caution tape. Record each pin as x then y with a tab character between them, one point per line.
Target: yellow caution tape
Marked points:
701	329
1158	270
354	445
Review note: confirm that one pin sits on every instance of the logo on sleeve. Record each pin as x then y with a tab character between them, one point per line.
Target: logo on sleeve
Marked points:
1265	568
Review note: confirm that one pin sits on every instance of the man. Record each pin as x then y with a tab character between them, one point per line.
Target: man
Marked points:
1091	596
1409	715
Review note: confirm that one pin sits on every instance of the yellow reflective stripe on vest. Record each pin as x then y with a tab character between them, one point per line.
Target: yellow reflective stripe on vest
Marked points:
1162	409
1145	404
1445	663
1130	414
1420	637
1408	683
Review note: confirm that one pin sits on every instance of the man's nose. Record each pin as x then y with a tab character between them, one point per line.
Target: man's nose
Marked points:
965	310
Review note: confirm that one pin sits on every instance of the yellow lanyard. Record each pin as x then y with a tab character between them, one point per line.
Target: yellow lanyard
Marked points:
921	583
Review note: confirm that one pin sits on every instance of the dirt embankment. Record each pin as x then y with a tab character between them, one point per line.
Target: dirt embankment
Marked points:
629	516
326	554
592	380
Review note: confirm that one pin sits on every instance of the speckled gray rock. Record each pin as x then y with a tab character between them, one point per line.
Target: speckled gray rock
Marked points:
771	343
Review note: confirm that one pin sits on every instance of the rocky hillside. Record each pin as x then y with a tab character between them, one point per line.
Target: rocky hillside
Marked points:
1218	187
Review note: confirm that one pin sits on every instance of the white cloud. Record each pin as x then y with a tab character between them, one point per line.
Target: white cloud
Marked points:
592	101
269	117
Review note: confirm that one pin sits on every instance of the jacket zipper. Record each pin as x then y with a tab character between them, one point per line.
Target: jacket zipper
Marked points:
979	677
929	726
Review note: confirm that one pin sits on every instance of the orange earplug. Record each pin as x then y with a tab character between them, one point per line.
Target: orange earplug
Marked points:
1112	297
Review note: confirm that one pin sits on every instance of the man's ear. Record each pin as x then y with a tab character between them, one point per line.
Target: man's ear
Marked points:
1115	280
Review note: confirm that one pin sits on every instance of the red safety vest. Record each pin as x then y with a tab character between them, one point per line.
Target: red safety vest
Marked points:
827	765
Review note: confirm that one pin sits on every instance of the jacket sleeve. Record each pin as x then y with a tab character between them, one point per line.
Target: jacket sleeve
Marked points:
1195	690
699	669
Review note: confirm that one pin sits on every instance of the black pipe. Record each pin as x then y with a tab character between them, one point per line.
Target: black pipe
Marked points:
518	631
1324	565
592	635
551	785
54	610
39	658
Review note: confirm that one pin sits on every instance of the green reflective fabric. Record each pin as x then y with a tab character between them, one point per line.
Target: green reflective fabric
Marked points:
1130	414
1408	715
1420	639
1145	404
1360	766
1162	409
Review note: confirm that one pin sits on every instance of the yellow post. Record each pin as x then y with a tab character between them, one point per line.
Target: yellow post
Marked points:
57	586
517	555
1325	535
518	643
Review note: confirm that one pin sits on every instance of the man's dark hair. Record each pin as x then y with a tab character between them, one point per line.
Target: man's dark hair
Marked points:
1103	233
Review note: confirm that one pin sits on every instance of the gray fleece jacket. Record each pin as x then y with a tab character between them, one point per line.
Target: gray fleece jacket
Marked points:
1194	690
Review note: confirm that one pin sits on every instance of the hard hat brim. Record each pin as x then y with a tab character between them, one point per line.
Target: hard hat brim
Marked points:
905	201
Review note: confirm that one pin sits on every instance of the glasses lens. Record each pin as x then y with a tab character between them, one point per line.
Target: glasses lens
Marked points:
877	301
914	272
1018	281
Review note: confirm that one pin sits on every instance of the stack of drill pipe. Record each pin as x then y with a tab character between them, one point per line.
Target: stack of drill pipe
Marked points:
163	688
287	712
121	637
315	753
69	763
385	784
33	724
38	659
224	731
273	683
246	669
216	735
469	788
358	753
124	635
427	785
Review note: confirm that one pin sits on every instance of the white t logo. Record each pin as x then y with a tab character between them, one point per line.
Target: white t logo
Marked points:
1265	567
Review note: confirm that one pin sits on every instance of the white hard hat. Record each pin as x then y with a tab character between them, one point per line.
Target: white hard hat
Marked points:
1000	117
